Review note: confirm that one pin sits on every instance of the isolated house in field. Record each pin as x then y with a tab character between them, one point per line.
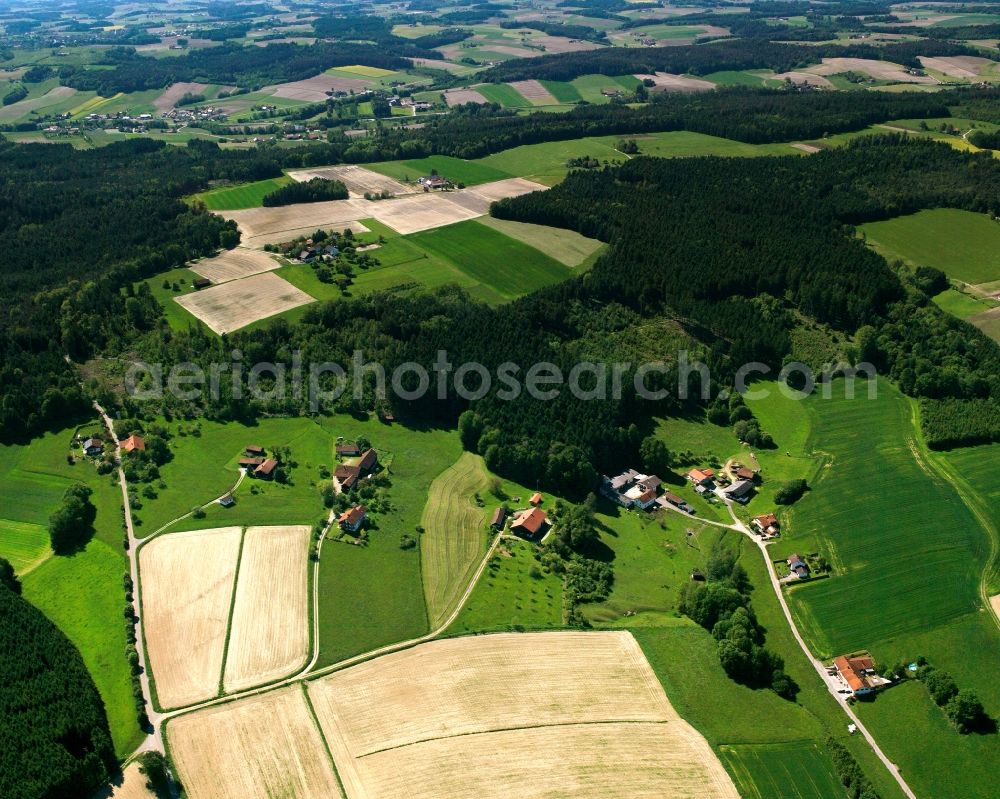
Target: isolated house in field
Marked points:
499	517
531	523
93	446
347	476
352	519
253	450
201	283
740	491
227	501
133	443
434	182
368	462
250	463
767	524
858	672
347	450
798	567
266	470
536	498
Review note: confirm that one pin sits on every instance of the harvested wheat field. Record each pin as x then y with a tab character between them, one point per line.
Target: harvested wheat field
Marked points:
665	82
462	96
357	179
560	44
534	91
169	98
539	714
995	604
417	212
269	632
187	588
880	70
261	225
316	89
799	78
234	264
238	303
962	66
258	748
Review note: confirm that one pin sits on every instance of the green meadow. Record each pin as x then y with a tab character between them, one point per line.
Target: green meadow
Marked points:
566	246
247	195
457	170
962	244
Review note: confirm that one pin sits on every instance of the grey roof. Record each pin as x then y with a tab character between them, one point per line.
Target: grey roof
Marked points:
739	489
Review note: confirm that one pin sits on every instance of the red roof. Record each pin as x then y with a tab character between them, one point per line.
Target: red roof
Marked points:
134	442
745	473
251	461
266	467
353	516
536	498
848	672
531	521
767	520
368	460
253	449
347	475
698	476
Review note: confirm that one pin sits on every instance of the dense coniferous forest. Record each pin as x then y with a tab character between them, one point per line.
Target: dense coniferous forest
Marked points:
53	729
309	191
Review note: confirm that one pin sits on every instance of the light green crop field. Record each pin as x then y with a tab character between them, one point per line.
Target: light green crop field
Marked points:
590	87
653	556
566	246
735	78
24	544
83	595
373	595
499	262
961	305
504	94
879	512
790	770
234	198
514	593
457	170
455	537
962	244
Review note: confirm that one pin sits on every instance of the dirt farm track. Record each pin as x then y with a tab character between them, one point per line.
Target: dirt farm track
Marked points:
592	721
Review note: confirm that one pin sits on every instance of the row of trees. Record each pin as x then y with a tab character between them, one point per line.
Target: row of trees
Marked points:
310	191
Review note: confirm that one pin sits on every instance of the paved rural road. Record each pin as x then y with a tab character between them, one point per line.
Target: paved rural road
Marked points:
817	664
154	741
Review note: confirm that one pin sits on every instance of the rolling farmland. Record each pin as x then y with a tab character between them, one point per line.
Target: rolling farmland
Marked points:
24	544
792	771
454	537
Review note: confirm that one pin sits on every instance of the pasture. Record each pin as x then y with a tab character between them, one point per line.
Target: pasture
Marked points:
894	571
269	629
186	582
238	303
258	748
514	593
653	556
24	544
454	538
373	595
962	244
246	195
592	712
